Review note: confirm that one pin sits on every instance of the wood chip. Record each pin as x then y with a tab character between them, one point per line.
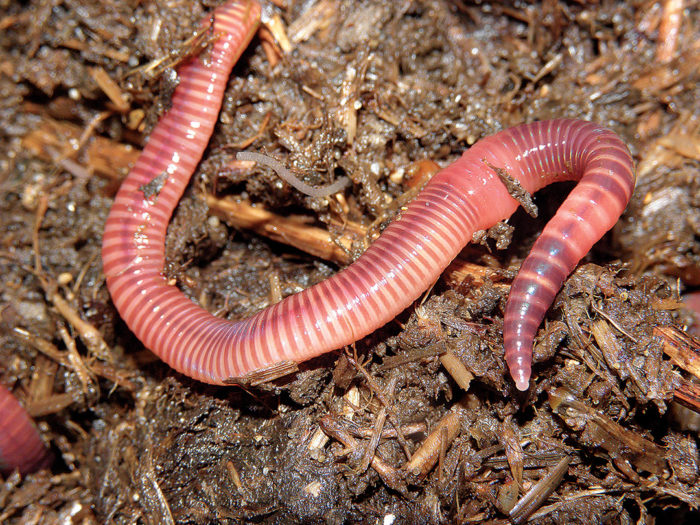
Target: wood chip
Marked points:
110	88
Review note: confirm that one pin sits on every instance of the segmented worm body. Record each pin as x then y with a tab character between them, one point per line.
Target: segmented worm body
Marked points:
167	158
551	151
20	445
409	255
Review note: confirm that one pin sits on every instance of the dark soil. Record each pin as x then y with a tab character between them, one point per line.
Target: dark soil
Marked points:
370	90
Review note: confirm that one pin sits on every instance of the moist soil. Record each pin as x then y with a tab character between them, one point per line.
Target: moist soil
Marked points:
380	92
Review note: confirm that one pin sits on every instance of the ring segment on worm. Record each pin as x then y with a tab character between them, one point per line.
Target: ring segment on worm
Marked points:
21	446
466	196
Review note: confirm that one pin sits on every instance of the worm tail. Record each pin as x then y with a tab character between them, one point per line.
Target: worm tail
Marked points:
603	163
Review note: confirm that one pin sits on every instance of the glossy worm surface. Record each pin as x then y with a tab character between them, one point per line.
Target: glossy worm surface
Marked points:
20	445
409	255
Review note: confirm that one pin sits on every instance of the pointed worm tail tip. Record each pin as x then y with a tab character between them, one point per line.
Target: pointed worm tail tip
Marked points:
522	380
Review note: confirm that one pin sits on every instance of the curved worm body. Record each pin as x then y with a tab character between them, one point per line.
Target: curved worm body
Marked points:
409	255
550	151
20	445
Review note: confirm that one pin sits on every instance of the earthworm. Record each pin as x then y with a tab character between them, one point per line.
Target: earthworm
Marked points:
691	302
20	445
464	197
291	179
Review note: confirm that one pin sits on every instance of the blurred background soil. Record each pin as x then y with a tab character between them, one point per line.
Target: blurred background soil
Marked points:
419	422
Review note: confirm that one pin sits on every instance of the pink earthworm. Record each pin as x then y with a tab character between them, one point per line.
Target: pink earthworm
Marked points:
464	197
21	446
691	302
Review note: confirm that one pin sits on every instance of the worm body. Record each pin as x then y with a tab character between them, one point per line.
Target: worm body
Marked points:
291	179
20	445
692	302
409	255
550	151
172	159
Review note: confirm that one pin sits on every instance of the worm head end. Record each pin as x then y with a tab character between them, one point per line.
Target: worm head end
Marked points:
519	364
522	379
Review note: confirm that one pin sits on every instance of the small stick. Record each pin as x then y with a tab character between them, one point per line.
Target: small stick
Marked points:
457	370
539	492
378	426
669	30
388	433
389	475
424	459
391	413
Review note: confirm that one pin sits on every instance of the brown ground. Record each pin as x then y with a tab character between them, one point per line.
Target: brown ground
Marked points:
374	91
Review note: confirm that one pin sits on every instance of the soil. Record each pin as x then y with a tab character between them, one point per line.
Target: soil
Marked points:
387	431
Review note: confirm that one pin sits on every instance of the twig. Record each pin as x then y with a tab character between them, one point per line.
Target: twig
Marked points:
531	501
390	410
389	475
424	459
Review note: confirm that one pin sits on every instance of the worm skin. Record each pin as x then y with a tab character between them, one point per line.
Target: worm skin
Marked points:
692	303
572	150
409	255
20	445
